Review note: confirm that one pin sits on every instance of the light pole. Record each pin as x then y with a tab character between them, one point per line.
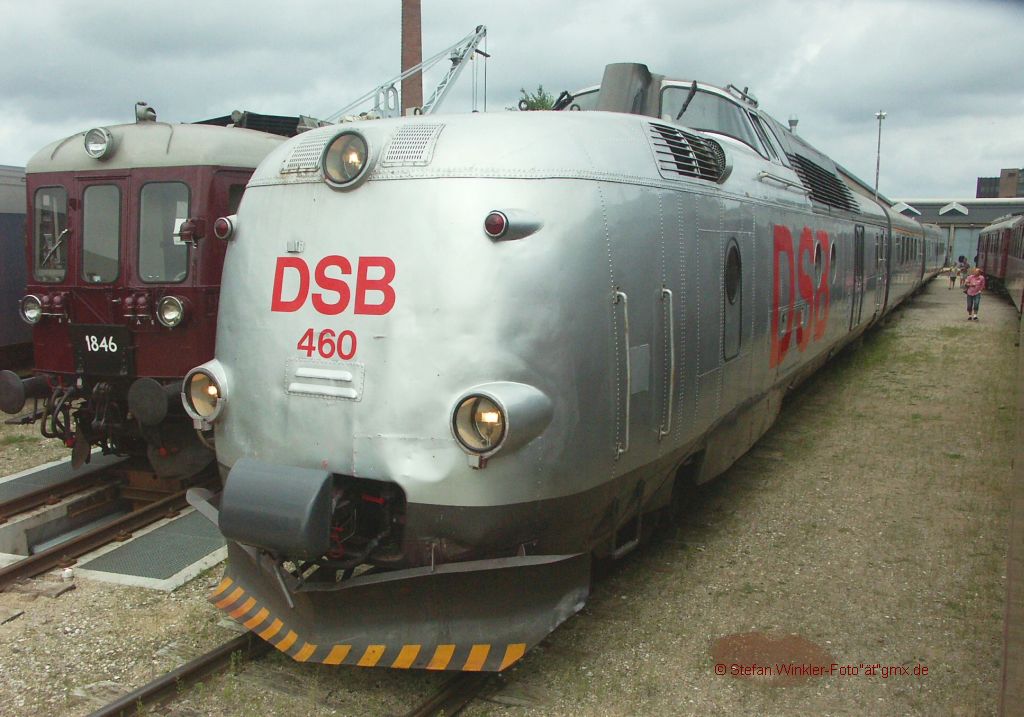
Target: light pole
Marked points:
878	155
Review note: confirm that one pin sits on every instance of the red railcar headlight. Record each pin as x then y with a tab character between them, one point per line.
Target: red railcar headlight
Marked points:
170	311
31	309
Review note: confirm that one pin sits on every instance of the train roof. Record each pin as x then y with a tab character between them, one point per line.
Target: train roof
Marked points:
159	144
12	189
1007	222
631	88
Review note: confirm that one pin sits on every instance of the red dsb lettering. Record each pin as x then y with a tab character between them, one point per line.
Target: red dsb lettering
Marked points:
382	285
336	285
822	299
809	318
277	302
783	251
329	276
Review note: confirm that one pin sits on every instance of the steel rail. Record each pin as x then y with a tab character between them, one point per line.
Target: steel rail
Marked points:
452	696
49	494
65	552
168	686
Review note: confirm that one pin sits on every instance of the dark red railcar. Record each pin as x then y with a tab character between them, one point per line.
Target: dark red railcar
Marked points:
123	280
1001	255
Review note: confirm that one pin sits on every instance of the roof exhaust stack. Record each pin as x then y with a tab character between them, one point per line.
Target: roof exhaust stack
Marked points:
629	87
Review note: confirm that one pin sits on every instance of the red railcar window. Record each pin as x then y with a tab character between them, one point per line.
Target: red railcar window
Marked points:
163	208
50	235
101	233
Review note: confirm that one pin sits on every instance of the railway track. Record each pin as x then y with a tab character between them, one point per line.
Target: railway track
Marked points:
449	699
65	553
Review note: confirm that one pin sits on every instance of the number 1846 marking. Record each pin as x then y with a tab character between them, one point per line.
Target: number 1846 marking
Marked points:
97	344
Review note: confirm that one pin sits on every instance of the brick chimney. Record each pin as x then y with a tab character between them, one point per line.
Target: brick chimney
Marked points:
412	54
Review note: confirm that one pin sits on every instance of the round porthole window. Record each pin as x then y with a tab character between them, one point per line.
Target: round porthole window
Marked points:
733	272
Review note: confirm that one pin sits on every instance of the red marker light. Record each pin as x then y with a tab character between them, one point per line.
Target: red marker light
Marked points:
58	301
223	228
129	302
496	224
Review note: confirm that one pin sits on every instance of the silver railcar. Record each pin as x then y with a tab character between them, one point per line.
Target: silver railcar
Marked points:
472	352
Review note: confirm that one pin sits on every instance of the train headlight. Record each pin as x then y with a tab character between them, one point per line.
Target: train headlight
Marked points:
99	143
203	394
345	159
31	309
498	416
170	311
479	424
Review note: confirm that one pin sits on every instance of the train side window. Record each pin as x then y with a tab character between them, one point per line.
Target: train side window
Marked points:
733	301
163	208
763	135
50	235
101	233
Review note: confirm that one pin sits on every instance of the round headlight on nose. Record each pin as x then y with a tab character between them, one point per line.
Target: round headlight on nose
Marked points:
170	311
99	143
31	309
479	424
345	159
204	397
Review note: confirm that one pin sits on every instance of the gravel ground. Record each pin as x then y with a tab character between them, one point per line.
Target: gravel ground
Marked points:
869	527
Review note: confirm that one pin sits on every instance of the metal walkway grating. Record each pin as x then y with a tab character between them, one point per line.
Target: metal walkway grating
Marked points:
163	552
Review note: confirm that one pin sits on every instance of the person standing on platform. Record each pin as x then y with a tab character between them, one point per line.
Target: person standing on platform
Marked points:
974	286
953	271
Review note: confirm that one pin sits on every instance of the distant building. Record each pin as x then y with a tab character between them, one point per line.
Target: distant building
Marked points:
1009	183
961	219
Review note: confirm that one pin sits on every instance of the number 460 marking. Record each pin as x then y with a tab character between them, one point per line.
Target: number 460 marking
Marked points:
328	344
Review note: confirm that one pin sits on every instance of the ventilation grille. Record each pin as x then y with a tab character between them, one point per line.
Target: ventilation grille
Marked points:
823	186
412	145
306	155
683	154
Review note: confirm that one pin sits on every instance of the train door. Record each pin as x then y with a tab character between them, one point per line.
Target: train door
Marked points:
103	216
881	275
857	295
637	307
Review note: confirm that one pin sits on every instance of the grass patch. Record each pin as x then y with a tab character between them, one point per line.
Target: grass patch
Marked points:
15	440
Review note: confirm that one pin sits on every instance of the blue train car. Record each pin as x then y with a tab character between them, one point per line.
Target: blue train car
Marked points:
15	334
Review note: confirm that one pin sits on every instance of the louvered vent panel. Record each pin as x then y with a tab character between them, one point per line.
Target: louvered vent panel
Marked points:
683	154
412	145
823	186
306	155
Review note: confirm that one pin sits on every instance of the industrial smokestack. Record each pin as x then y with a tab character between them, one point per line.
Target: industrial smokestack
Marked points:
412	54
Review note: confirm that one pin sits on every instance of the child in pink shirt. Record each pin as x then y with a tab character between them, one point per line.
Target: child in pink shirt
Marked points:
975	284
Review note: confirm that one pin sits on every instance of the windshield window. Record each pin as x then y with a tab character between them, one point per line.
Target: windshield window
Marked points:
585	101
50	238
708	112
163	257
101	231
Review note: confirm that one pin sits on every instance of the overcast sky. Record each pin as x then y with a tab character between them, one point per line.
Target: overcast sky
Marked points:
948	74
